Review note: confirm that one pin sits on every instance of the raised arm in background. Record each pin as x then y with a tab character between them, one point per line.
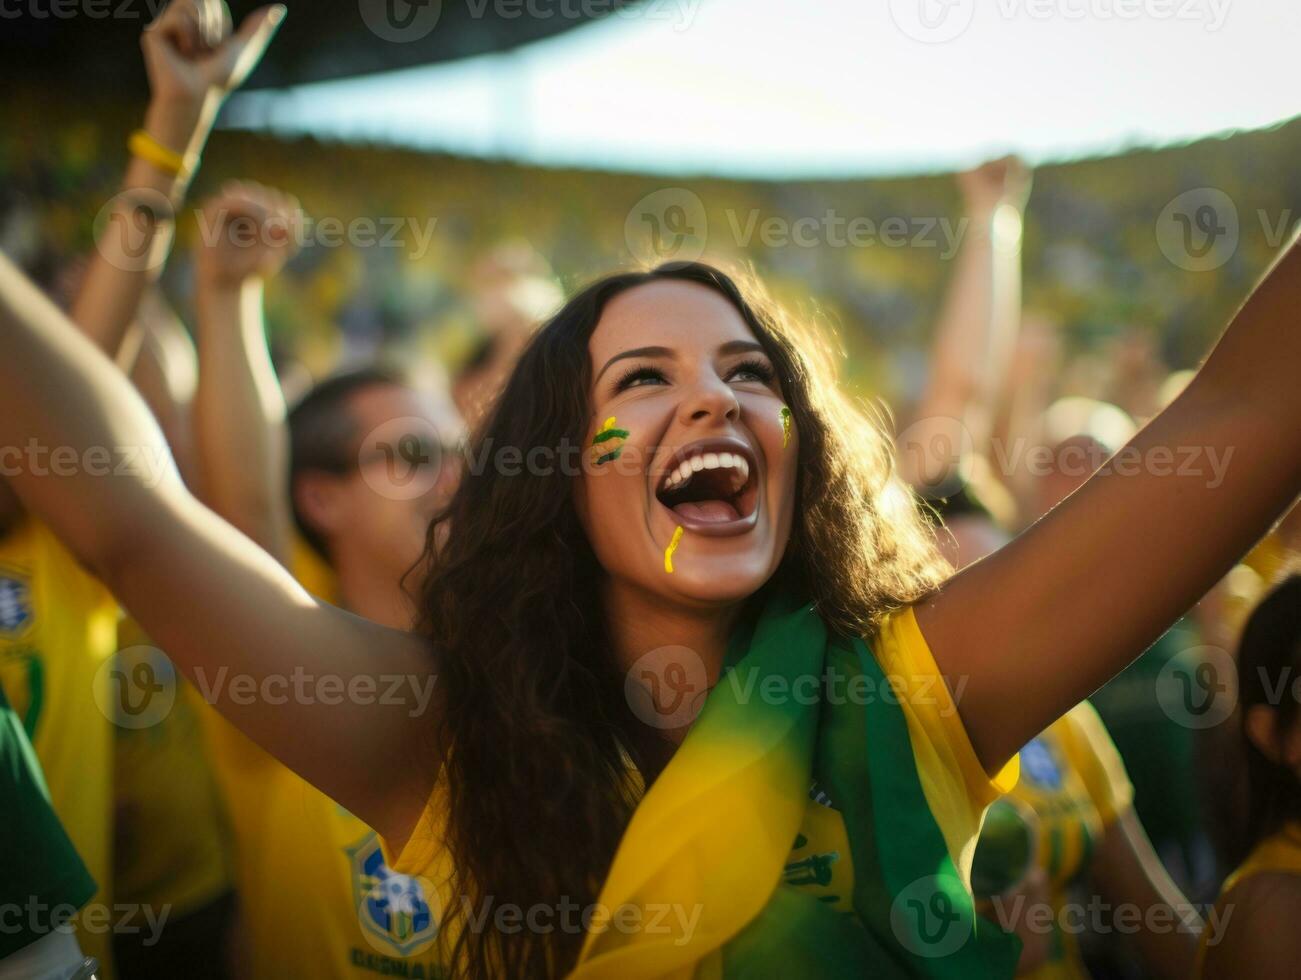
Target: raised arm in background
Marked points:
166	374
248	234
1044	621
193	62
245	629
977	327
1128	874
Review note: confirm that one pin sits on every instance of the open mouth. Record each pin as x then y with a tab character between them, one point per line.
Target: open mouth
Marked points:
710	483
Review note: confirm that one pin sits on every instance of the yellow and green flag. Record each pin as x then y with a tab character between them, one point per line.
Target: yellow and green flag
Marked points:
695	889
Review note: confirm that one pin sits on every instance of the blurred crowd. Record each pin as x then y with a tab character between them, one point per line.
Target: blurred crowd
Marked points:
1124	311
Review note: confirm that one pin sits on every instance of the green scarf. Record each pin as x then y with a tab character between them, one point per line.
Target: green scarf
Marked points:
700	865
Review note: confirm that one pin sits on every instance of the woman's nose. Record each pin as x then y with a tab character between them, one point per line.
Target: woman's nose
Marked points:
710	398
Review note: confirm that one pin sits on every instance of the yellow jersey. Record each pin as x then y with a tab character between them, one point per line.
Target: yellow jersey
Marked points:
316	896
1073	779
311	878
1278	853
58	631
172	845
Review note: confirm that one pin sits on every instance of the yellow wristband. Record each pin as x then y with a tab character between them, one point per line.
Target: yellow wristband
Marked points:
144	146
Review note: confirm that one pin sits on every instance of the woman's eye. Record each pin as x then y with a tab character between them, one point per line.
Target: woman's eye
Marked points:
753	371
638	377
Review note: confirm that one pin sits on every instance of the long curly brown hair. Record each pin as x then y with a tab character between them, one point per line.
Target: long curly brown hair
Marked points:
535	723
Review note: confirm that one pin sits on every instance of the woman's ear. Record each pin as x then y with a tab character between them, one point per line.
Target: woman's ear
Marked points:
317	499
1261	726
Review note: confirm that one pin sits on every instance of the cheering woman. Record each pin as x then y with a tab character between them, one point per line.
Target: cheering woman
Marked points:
706	703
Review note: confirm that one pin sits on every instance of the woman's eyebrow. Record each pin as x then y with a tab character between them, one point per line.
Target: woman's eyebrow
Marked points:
740	347
634	352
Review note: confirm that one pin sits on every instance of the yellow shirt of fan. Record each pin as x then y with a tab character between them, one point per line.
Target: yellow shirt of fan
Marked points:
316	896
172	844
1280	853
1073	779
58	628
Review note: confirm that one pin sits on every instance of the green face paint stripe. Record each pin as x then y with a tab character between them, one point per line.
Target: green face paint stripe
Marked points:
608	433
786	426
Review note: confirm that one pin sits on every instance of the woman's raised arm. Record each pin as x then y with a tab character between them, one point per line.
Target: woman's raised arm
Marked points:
342	701
1040	624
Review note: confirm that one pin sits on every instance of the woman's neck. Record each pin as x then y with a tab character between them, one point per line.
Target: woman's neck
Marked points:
674	651
373	595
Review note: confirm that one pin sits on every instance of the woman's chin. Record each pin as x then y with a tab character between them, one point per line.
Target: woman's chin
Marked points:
718	579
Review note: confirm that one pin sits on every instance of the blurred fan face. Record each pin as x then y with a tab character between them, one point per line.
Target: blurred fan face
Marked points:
678	369
378	513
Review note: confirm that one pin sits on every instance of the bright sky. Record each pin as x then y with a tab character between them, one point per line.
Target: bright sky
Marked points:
829	87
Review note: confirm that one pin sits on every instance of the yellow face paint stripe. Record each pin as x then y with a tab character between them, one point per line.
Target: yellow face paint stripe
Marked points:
602	453
786	426
668	552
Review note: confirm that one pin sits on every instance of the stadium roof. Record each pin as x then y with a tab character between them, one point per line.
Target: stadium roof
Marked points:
92	43
837	87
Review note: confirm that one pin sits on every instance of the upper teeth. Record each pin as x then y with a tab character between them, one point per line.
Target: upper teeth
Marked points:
708	461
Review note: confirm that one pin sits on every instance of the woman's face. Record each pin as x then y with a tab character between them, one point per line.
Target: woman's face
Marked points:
680	372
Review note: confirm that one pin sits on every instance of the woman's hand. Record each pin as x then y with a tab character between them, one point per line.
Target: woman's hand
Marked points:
246	232
191	54
193	62
1003	181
